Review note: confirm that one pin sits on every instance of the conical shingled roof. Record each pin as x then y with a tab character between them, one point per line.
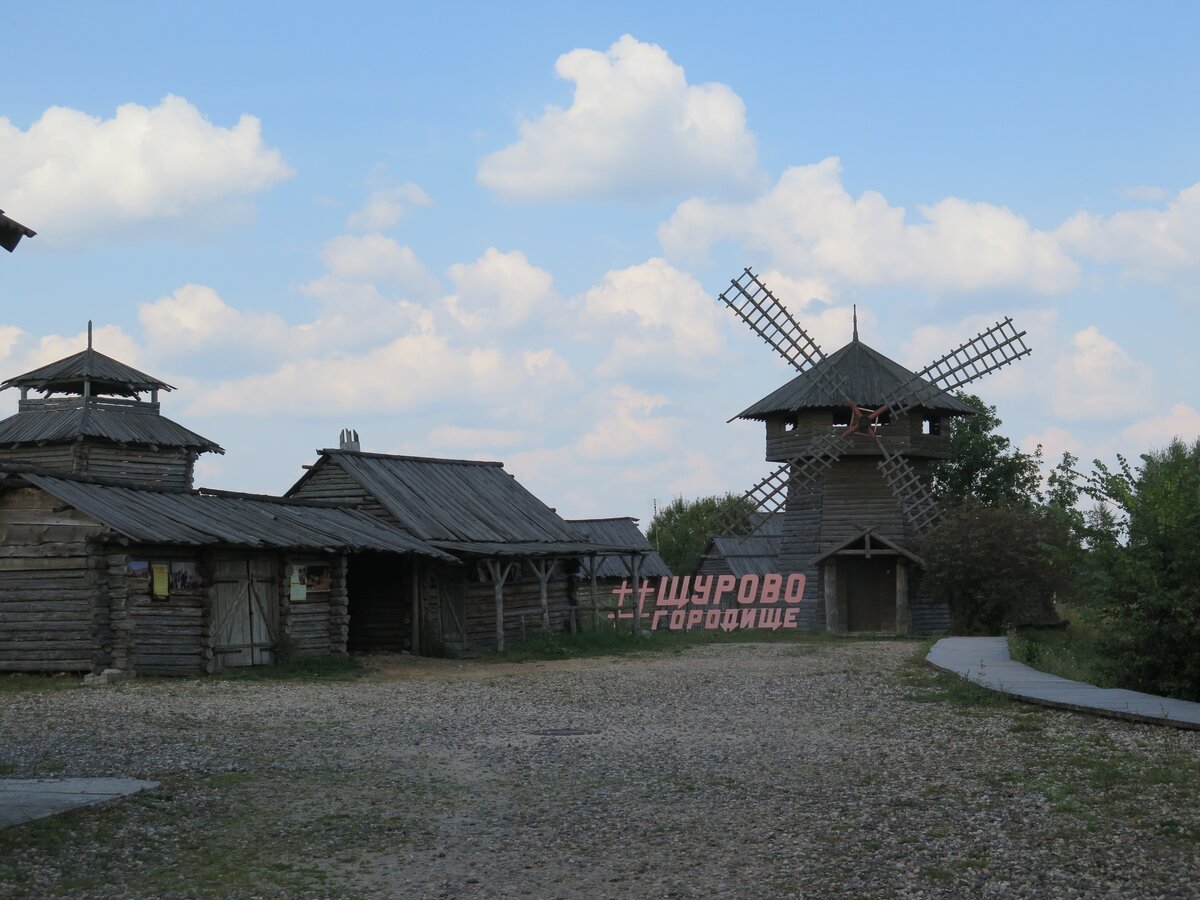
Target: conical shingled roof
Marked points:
856	372
107	376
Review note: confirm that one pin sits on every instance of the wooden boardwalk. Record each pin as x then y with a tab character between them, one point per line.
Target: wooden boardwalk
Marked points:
986	662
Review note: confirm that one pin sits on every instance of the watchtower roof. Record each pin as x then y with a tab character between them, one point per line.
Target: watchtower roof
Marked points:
105	374
856	372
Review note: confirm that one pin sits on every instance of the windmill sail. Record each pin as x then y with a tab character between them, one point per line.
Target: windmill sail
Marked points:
991	349
755	305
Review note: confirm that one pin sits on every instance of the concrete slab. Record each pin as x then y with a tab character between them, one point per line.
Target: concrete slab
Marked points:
26	799
986	661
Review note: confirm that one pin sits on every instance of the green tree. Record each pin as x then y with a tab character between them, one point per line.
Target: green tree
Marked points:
682	529
983	464
1149	548
999	567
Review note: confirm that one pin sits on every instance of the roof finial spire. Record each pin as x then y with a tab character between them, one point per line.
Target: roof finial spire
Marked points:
89	334
856	321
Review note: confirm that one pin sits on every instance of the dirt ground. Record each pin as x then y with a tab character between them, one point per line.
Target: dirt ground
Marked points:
806	770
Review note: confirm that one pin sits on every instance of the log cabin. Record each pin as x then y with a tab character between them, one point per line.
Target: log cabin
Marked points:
519	560
110	558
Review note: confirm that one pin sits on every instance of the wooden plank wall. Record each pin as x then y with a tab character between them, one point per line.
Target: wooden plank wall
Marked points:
52	457
522	610
53	598
329	482
313	623
169	469
339	605
170	636
903	436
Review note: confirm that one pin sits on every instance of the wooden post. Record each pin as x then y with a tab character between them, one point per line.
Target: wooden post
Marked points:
637	610
595	605
416	606
832	623
903	610
544	568
499	576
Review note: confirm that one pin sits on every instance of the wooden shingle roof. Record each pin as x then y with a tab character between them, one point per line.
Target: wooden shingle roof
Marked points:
464	506
859	373
199	519
11	232
620	533
65	419
105	374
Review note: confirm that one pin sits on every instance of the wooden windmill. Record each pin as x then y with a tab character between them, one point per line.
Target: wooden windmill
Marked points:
854	433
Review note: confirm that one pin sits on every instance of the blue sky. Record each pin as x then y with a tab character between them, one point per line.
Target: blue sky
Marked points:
497	230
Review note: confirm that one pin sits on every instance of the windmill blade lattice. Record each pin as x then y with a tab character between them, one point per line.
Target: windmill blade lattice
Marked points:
770	494
919	508
991	349
755	305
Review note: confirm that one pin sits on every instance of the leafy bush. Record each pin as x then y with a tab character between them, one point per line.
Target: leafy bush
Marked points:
1148	548
998	567
681	531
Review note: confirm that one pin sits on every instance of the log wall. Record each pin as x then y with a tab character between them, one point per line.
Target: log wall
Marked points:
53	595
168	468
905	435
171	636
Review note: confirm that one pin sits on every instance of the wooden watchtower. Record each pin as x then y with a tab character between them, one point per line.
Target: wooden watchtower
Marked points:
92	420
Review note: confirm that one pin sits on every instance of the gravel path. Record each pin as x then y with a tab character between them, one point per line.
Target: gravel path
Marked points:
808	769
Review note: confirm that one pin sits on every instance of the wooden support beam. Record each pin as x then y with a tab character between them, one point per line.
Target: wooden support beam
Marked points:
544	568
416	605
499	573
595	606
903	609
634	562
832	623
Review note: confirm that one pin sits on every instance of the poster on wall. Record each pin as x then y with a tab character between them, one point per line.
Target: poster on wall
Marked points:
160	580
137	574
298	589
185	576
317	578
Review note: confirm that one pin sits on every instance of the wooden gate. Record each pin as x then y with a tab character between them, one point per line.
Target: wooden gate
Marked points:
245	612
452	594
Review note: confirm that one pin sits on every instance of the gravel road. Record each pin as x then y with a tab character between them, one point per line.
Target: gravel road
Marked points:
775	770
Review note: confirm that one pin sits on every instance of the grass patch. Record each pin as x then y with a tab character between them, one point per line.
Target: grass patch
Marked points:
563	645
333	667
226	834
22	684
1074	652
929	685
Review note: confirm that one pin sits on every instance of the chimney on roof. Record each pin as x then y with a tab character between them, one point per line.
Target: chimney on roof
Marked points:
349	440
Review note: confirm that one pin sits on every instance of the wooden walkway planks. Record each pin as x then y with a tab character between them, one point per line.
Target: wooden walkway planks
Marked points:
986	662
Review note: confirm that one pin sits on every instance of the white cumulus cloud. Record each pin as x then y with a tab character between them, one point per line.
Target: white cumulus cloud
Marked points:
377	258
72	174
1096	379
635	128
656	319
499	290
1145	242
809	225
388	205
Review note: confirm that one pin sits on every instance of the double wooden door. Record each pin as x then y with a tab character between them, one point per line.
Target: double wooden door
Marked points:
245	611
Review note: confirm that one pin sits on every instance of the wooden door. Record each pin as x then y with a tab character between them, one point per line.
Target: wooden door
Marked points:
245	612
870	588
452	596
